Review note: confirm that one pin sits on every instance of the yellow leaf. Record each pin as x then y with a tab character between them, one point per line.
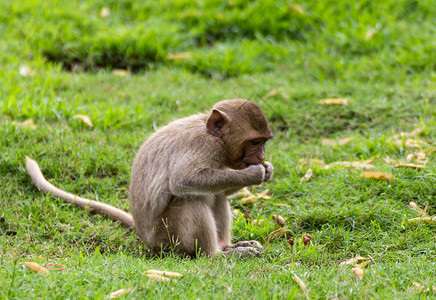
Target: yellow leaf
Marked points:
339	142
273	93
158	277
423	220
26	71
422	212
350	164
84	119
356	260
179	56
422	288
164	273
333	101
413	166
297	8
119	293
370	34
311	161
37	268
420	157
105	12
377	175
120	72
29	123
358	272
244	193
253	198
279	220
307	176
277	233
300	283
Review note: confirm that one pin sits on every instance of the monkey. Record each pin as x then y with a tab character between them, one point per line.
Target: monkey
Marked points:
181	177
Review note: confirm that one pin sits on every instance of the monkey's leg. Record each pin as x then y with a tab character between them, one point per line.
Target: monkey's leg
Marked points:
221	213
189	226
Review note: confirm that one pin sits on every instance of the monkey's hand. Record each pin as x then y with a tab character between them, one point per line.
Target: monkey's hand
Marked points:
242	251
268	170
254	244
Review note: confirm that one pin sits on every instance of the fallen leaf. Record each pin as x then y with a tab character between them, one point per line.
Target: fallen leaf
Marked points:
121	292
356	260
405	165
300	283
37	268
333	101
423	220
273	93
413	133
29	123
164	273
253	198
247	217
311	161
370	34
358	272
420	157
339	142
377	175
84	119
120	72
409	143
277	233
307	176
422	288
26	71
244	193
179	56
297	8
306	240
158	277
105	12
351	164
279	220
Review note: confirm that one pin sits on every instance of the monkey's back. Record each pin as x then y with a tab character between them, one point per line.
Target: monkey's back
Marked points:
156	159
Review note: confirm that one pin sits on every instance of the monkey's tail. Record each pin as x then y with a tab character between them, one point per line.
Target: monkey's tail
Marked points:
112	212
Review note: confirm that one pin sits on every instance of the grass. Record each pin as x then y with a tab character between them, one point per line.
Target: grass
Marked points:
380	55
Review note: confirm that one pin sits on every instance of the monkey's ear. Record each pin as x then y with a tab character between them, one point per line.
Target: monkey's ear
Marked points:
217	123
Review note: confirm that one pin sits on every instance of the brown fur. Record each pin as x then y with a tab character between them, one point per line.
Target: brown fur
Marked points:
179	178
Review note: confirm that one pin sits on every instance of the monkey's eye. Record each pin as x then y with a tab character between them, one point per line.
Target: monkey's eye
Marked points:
255	142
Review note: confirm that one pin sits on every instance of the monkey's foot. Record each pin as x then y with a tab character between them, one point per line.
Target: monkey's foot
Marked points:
242	251
253	244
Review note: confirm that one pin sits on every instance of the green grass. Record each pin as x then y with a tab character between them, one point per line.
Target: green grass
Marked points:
311	51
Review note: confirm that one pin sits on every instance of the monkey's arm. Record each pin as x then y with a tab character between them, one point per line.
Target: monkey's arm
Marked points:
190	181
101	208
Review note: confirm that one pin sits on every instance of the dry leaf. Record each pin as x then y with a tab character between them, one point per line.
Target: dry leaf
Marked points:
422	212
29	123
273	93
351	164
311	161
121	292
409	143
120	72
37	268
334	101
164	273
339	142
253	198
370	34
377	175
104	12
306	240
179	56
84	119
307	176
279	220
244	193
423	220
158	277
297	8
422	288
356	260
413	133
26	71
277	233
413	166
420	157
300	283
358	272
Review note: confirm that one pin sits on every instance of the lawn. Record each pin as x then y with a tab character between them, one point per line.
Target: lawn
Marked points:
132	66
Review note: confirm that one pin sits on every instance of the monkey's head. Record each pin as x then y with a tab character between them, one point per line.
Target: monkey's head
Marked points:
243	127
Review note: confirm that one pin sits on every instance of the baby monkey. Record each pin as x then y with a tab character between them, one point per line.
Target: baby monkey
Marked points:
182	175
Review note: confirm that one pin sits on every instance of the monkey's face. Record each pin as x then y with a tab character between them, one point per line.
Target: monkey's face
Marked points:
250	152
